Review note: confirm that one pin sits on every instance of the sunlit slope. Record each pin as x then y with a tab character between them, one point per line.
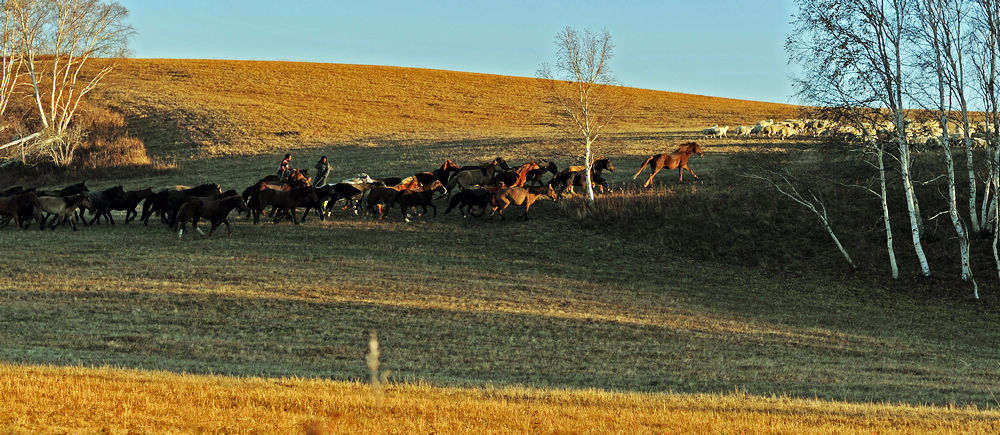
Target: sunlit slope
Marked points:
250	107
60	399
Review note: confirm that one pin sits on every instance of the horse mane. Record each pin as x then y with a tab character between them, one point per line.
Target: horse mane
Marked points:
687	147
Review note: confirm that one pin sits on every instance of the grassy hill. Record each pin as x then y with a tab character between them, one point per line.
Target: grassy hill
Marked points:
668	302
243	107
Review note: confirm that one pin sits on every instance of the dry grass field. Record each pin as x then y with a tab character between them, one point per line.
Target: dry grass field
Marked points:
109	400
550	325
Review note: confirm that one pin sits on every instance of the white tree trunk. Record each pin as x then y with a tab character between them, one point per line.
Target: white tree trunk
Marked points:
956	220
893	267
970	168
912	207
589	169
836	241
995	204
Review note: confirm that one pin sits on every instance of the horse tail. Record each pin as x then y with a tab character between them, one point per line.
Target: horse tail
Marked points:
643	167
181	215
454	202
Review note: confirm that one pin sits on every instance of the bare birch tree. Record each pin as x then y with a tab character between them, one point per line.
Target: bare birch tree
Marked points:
949	61
10	68
580	85
942	21
986	67
56	39
852	57
787	185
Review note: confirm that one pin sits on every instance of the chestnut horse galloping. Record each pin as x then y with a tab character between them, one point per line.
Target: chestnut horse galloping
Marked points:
675	160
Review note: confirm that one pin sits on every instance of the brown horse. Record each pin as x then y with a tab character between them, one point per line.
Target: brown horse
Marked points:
422	196
442	174
675	160
515	177
215	210
518	195
129	201
298	176
283	200
575	176
535	175
13	206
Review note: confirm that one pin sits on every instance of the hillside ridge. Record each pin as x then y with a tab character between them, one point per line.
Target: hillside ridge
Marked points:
253	107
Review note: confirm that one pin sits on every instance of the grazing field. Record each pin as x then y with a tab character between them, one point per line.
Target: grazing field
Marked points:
515	316
94	400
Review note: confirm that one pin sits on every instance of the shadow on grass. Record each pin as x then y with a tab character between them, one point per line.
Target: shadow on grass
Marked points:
205	333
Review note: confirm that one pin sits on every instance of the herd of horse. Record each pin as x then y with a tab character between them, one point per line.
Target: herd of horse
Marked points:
472	190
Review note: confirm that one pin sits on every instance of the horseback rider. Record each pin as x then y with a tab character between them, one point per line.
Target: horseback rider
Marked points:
283	168
322	172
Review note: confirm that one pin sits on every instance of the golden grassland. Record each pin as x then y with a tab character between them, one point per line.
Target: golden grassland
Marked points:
252	107
466	311
115	400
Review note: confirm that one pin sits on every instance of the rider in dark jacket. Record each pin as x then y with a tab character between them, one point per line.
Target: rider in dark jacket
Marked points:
322	171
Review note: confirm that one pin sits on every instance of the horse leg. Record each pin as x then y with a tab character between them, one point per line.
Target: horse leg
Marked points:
527	205
194	224
692	172
111	219
434	207
656	169
681	170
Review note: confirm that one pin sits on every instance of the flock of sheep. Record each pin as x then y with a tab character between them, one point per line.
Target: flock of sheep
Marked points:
924	135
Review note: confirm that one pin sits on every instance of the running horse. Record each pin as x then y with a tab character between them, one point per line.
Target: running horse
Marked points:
675	160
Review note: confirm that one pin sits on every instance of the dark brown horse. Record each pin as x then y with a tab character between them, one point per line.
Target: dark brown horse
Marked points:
272	182
422	196
284	200
167	201
215	210
675	160
16	205
575	176
469	198
535	175
102	202
441	174
129	201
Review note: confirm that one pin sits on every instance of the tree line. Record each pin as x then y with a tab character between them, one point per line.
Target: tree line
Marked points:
878	65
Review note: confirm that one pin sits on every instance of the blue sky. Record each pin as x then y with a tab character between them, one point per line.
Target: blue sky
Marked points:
727	48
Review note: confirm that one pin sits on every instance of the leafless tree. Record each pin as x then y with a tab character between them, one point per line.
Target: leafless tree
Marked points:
985	61
852	56
580	85
56	39
788	185
10	65
942	20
